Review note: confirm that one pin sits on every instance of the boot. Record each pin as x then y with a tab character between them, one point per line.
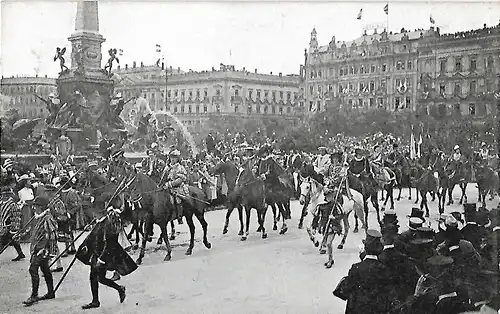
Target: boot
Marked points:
19	257
49	281
91	305
20	254
31	300
121	293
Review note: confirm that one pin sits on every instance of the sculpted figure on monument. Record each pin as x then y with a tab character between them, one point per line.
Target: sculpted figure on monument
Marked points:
60	55
109	64
53	106
76	113
78	55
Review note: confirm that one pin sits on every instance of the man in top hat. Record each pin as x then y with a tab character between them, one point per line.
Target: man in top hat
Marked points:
415	221
43	246
366	288
471	231
176	182
422	246
449	229
390	218
402	274
102	251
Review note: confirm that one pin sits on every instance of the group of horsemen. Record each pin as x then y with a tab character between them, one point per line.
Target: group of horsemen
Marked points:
174	174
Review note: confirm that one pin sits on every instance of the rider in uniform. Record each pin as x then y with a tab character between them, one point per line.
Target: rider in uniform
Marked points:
457	158
176	182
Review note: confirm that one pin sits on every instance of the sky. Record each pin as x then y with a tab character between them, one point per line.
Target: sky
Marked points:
270	36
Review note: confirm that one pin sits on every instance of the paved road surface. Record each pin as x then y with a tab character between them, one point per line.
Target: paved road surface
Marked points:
280	274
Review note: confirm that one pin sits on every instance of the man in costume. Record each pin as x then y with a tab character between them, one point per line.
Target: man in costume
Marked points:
10	222
102	252
43	246
176	182
322	162
359	163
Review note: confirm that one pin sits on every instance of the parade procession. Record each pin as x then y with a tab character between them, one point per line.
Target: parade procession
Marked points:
353	200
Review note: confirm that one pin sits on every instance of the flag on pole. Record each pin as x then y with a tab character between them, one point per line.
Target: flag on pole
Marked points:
432	20
413	153
386	8
360	14
120	52
419	146
158	48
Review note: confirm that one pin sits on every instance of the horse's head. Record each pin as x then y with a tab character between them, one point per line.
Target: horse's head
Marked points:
305	190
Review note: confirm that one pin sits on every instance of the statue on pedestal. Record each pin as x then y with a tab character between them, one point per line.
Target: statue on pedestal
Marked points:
78	55
76	113
109	64
60	55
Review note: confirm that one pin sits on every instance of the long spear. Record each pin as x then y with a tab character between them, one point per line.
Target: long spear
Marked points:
74	258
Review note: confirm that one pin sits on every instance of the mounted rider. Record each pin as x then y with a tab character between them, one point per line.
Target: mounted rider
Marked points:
359	163
322	162
457	159
177	182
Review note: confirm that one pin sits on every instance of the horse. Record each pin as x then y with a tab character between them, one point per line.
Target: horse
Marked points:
306	171
427	180
368	187
250	192
386	180
401	168
157	205
230	173
487	181
351	201
458	174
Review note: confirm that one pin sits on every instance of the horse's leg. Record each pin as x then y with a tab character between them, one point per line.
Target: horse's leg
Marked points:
259	229
391	189
424	201
463	198
275	221
247	222
375	204
240	216
345	219
417	192
365	207
400	187
131	232
200	215
329	240
382	198
356	223
386	199
164	233
262	218
228	215
302	215
450	193
189	220
284	227
172	226
147	231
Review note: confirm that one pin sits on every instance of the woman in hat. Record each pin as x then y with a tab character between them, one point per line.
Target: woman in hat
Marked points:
43	246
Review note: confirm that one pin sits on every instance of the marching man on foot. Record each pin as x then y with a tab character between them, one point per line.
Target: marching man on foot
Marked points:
102	252
43	245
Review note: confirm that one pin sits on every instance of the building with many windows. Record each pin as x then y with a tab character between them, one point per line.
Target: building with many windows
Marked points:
410	70
196	96
21	90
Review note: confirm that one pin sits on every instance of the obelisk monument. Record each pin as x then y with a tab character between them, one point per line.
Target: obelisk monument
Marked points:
86	83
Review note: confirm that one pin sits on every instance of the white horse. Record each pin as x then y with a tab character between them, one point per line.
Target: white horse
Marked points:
352	201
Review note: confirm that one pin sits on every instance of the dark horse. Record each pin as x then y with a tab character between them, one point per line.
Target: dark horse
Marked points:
249	191
368	188
429	180
157	205
277	197
230	173
487	181
458	174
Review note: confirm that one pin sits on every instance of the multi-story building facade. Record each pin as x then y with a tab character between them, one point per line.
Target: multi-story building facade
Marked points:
399	71
194	97
21	91
459	73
